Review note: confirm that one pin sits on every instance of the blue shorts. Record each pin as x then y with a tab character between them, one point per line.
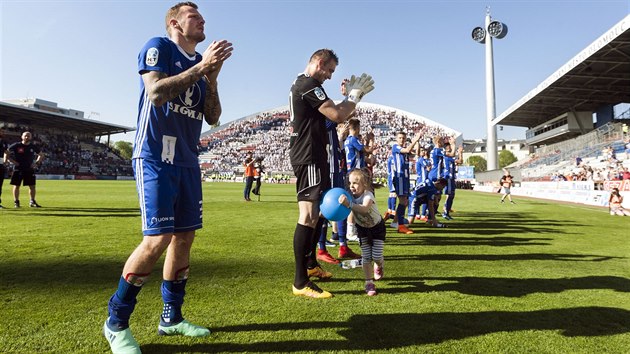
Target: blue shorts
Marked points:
401	186
433	175
450	187
170	197
338	179
390	184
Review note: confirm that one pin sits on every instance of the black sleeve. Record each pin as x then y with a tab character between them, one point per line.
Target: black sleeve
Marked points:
313	93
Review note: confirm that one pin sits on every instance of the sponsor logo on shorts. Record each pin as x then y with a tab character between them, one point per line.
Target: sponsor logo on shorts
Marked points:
155	220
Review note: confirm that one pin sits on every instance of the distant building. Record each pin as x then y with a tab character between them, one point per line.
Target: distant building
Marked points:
477	147
44	105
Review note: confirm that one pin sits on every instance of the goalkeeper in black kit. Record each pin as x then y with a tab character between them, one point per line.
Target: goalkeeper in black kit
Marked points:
309	107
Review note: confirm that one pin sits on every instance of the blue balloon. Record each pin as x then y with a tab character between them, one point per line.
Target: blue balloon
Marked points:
330	206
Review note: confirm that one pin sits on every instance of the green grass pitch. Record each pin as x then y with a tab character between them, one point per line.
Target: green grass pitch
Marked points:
536	277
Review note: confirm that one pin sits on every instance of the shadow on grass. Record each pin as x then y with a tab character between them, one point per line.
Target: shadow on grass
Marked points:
79	212
467	241
507	287
494	223
502	257
104	272
274	201
455	229
390	331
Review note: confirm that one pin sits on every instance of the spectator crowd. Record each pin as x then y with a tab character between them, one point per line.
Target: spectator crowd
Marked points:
267	135
71	155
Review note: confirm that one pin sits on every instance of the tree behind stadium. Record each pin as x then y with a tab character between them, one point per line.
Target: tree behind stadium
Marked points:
506	158
124	149
479	162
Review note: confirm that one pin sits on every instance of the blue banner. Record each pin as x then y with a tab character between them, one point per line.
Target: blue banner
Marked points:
465	172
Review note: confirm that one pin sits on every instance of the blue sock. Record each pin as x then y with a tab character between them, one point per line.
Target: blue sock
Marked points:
121	305
416	208
322	235
173	292
449	204
424	210
410	210
391	203
400	214
342	227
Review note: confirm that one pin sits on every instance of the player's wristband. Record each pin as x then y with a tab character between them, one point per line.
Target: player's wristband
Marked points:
355	96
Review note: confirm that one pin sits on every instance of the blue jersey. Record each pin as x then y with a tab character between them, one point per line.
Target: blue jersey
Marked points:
354	153
426	191
390	172
400	163
437	163
422	169
450	167
336	162
169	133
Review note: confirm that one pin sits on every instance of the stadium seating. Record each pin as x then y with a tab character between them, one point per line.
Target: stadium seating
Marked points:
267	134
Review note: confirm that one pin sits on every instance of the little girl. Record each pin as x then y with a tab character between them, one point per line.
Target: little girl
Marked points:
370	226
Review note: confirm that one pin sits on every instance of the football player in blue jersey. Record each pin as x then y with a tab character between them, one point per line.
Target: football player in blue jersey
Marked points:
429	193
391	200
423	165
354	148
450	172
437	157
355	159
400	172
336	162
178	91
437	163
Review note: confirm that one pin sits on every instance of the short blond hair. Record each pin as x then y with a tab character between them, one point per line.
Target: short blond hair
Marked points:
174	11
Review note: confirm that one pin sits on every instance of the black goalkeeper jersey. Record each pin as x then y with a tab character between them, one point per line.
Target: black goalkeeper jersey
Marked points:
308	135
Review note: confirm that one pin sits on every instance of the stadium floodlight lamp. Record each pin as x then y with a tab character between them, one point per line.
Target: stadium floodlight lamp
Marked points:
497	29
479	35
491	29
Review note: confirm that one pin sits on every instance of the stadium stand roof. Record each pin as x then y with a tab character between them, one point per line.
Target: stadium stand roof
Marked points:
599	75
20	115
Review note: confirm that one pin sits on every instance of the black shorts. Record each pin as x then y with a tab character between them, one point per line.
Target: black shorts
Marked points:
312	181
376	232
26	177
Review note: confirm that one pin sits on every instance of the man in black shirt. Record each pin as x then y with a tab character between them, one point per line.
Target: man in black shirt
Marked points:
258	172
25	156
310	106
3	152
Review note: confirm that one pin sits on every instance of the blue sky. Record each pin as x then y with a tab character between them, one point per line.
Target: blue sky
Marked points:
83	54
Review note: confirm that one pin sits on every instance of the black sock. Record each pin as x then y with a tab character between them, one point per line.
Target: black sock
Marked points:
302	244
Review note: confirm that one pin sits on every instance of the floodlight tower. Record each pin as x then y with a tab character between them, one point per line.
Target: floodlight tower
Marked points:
498	30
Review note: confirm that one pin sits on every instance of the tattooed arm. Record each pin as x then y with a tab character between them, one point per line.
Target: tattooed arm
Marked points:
212	104
162	88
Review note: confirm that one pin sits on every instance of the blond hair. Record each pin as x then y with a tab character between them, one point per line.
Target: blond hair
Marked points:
174	11
364	178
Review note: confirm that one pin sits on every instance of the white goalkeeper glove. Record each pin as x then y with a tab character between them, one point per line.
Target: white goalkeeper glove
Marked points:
358	87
